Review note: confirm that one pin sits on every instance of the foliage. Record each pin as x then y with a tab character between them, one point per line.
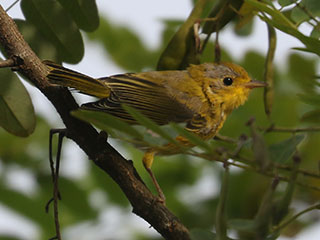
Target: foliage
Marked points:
17	115
252	201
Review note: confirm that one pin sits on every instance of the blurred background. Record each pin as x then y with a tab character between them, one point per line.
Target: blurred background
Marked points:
130	38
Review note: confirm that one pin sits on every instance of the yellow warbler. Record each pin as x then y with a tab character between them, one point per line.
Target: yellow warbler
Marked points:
202	96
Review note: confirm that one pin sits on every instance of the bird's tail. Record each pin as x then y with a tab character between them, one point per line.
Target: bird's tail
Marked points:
68	78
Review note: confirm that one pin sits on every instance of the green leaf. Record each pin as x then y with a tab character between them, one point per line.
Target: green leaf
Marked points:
148	123
312	116
244	30
259	148
153	139
312	6
306	50
39	44
83	12
284	3
281	22
106	122
247	225
311	99
252	59
197	141
312	44
201	234
223	12
316	32
276	15
181	49
16	110
244	24
298	15
282	151
302	71
57	26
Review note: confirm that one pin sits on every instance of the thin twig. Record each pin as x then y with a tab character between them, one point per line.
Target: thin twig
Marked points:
221	222
284	167
227	139
286	223
269	71
12	5
217	49
247	164
55	178
204	43
196	26
303	8
7	63
291	130
56	187
300	171
281	167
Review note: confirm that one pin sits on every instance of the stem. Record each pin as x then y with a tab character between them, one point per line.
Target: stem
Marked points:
286	223
269	70
221	225
249	167
7	63
292	130
12	5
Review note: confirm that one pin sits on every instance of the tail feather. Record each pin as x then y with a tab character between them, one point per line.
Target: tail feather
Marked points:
69	78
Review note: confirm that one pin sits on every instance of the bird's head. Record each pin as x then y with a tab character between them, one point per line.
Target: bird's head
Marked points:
227	84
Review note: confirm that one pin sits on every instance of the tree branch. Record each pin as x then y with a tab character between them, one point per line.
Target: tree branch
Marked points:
144	203
7	63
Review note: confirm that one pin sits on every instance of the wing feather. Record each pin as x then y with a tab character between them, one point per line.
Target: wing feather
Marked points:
147	95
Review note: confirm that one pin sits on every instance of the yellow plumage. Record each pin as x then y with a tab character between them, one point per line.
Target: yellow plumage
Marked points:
202	96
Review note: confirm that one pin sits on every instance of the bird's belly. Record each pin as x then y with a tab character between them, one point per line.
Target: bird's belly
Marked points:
212	127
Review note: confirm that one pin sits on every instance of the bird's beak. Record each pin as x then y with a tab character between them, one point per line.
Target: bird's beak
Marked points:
255	84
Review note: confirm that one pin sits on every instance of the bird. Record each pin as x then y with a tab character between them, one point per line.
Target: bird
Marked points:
201	96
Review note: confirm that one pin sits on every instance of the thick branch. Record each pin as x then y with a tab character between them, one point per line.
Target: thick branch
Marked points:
103	155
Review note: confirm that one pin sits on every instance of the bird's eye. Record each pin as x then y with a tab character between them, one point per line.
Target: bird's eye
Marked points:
227	81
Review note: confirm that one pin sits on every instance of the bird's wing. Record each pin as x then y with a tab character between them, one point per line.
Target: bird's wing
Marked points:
148	95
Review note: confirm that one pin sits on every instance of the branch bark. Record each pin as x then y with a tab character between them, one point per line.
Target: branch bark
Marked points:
122	171
7	63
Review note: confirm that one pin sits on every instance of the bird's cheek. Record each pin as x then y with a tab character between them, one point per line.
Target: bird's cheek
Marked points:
244	96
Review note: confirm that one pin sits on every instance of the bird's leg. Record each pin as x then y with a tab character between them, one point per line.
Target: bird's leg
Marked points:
169	148
147	163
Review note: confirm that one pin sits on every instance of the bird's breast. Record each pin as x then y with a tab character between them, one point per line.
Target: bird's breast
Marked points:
214	124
